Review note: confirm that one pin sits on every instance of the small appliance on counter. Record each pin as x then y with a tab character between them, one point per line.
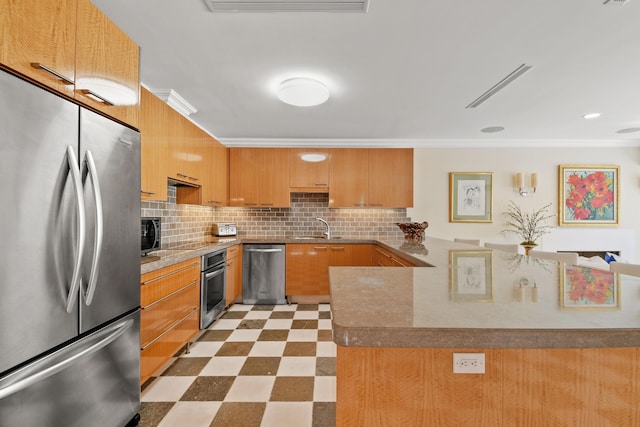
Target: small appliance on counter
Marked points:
224	229
150	234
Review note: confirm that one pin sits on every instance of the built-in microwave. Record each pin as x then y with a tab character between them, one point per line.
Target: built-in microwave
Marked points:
150	233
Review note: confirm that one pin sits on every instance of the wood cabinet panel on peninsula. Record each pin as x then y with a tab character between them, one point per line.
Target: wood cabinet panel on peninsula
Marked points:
71	47
259	177
170	315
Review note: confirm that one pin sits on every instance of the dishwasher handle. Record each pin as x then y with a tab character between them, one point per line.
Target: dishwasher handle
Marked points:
265	250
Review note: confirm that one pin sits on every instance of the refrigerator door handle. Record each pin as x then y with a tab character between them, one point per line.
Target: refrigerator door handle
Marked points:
77	186
99	230
62	359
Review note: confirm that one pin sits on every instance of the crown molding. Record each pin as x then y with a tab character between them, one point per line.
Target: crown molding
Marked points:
426	143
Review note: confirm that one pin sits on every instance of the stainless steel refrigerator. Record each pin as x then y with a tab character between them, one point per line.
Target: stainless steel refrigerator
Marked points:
69	263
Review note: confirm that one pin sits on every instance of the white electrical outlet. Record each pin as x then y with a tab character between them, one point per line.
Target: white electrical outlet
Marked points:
468	363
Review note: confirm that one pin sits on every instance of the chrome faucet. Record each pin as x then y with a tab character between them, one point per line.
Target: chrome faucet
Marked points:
328	232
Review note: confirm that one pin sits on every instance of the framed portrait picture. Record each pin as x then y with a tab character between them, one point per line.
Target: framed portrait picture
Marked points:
470	196
471	276
588	288
588	195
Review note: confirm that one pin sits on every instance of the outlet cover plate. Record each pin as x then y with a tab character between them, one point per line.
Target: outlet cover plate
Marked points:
468	363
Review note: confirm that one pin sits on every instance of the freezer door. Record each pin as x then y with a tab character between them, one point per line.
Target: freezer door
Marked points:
93	382
39	238
110	165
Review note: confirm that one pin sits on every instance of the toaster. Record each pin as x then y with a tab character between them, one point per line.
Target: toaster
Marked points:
224	229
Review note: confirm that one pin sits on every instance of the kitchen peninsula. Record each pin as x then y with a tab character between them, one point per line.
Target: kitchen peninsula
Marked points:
548	359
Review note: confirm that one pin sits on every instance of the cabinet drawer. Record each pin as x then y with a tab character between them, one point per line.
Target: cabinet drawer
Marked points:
156	318
155	354
233	251
160	283
384	258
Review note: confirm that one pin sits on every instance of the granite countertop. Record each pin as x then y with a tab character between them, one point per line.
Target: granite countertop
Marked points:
475	297
182	251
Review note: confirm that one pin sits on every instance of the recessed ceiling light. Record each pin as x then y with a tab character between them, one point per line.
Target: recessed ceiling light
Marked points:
628	130
591	116
492	129
303	92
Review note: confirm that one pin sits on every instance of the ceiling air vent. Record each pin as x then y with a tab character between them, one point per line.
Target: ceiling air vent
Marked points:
500	85
288	5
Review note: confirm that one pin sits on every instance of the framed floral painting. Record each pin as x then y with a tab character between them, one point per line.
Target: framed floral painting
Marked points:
470	196
588	194
471	276
588	288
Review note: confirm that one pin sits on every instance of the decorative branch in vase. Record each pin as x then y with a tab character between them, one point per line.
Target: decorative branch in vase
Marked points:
529	226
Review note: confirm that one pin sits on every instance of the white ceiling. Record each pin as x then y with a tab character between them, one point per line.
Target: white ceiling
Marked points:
401	74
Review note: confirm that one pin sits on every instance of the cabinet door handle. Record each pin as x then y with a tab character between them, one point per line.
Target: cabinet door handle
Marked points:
147	192
182	175
43	67
96	97
194	178
359	204
266	204
375	204
321	184
319	247
337	248
250	204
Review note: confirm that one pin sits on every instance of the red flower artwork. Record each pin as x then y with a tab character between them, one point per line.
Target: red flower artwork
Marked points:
589	195
587	286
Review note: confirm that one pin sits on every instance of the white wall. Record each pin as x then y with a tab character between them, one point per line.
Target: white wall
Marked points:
431	190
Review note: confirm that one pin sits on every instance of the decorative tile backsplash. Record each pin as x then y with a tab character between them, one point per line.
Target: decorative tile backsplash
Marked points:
188	222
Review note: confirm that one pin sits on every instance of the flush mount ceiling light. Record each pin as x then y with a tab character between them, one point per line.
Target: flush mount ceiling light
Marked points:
591	116
303	92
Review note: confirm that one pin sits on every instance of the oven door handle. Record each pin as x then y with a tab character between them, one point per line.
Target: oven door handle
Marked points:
214	272
264	250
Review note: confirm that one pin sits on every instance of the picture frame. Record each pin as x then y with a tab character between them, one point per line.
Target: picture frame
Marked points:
584	288
471	197
589	195
471	276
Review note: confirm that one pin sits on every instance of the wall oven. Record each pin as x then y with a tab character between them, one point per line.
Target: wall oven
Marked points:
213	281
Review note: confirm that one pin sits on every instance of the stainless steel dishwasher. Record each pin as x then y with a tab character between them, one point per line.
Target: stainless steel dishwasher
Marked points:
263	274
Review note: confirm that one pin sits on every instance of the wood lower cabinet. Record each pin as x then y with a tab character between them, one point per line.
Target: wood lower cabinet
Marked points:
234	274
170	315
308	265
384	258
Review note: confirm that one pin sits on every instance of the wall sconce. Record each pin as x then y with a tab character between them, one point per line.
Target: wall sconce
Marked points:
526	183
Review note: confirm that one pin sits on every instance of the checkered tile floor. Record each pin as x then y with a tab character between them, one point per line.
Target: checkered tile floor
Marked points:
259	365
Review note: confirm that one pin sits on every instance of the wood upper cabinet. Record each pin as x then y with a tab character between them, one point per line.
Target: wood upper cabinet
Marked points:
154	146
259	177
390	177
219	190
107	66
376	178
38	36
349	177
309	175
73	48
